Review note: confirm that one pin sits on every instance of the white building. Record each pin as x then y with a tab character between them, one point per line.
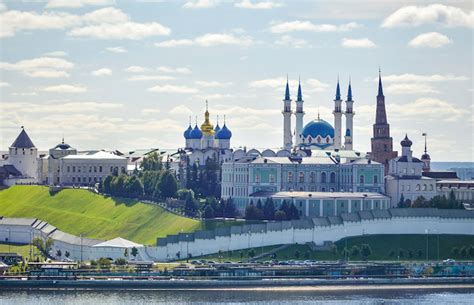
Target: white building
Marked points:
90	168
49	165
21	166
405	177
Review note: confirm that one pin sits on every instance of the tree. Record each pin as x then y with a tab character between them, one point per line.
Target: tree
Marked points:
67	254
120	261
125	252
391	253
280	215
208	212
365	250
230	210
59	253
401	252
106	188
401	202
150	181
190	205
251	253
134	187
355	250
48	245
134	252
252	213
419	253
471	251
38	243
183	193
463	251
407	203
297	254
269	209
168	185
294	212
151	162
420	202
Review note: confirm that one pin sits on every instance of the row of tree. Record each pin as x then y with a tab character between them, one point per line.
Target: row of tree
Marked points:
438	201
268	211
204	180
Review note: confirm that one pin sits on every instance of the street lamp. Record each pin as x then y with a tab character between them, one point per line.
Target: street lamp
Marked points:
427	231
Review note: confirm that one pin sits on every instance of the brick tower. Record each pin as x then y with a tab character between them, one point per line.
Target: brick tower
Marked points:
382	142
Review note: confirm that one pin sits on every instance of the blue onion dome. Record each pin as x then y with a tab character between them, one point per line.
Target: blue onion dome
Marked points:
217	129
62	146
196	133
224	133
425	156
318	128
187	132
406	142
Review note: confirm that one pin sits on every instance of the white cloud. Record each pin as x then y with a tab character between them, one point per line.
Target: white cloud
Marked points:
136	69
43	67
363	43
65	108
406	78
214	96
126	30
410	88
105	23
65	89
116	49
4	84
102	72
150	77
314	85
77	3
435	13
24	94
172	89
289	41
259	5
150	111
2	7
310	85
212	84
429	40
197	4
208	40
429	108
56	54
181	110
180	70
307	26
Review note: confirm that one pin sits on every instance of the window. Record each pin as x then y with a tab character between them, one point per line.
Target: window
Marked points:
257	178
95	169
68	169
417	187
312	177
290	177
90	169
100	169
431	187
78	179
323	177
73	169
333	177
301	177
271	178
73	179
376	179
361	179
323	189
403	188
408	188
111	169
425	187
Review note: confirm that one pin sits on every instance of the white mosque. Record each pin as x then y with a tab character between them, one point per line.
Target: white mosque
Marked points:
316	138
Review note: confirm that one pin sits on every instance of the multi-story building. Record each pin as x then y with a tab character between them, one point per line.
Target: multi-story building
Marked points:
48	165
324	173
89	169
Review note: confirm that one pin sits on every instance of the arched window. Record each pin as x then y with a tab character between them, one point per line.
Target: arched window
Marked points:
361	179
327	140
301	177
332	177
257	178
323	177
290	177
425	187
417	187
431	187
312	177
323	189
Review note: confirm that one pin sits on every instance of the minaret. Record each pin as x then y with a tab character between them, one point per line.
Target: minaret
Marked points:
287	143
425	158
349	113
382	143
299	114
337	117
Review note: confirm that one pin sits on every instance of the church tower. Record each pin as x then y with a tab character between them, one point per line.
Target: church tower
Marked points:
287	143
207	141
425	158
382	142
337	117
349	113
299	114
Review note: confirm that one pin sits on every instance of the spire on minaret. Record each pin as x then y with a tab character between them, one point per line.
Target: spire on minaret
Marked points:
318	115
300	94
349	92
287	91
338	91
380	83
189	120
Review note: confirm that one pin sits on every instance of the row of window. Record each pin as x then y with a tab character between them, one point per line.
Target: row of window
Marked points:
92	169
86	179
418	187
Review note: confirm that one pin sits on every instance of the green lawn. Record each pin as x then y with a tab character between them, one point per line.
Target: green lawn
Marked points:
381	246
78	212
23	250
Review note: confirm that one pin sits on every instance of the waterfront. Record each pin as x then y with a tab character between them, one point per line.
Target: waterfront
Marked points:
297	295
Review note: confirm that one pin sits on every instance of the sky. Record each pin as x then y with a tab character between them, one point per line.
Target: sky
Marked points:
129	75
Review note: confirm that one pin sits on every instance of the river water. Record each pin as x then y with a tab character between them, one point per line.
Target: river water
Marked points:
288	296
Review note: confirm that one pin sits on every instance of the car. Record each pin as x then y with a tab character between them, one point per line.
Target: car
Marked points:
449	260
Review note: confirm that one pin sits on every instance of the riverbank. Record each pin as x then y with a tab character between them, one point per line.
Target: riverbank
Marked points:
179	283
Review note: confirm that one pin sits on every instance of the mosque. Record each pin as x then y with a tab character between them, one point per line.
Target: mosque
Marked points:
316	138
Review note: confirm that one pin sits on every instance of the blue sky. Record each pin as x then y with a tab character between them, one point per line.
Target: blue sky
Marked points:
128	74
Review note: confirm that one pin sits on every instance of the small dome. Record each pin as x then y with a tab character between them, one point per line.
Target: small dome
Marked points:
318	128
425	156
224	133
187	132
196	133
217	129
62	146
406	142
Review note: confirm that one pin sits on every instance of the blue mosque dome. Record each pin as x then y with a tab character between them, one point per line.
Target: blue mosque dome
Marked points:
317	133
224	133
196	133
187	132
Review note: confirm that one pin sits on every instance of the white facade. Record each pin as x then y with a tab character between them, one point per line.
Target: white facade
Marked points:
90	169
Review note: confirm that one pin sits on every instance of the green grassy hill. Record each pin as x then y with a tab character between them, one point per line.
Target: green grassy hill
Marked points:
82	212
